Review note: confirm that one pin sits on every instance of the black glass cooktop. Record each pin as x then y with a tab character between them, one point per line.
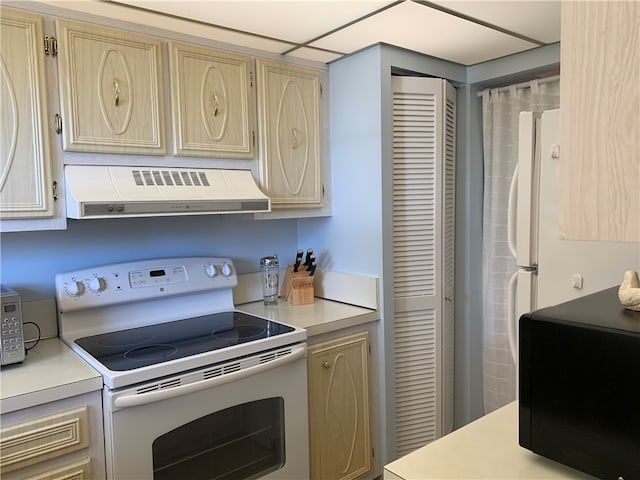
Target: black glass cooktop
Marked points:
152	344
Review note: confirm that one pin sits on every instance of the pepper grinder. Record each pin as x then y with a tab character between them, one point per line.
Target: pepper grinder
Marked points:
270	279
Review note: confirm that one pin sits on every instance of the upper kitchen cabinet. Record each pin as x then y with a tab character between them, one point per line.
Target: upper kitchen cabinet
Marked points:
211	102
26	164
289	112
600	121
111	90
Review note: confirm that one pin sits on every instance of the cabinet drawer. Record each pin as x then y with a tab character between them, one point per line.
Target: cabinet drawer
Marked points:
74	471
38	440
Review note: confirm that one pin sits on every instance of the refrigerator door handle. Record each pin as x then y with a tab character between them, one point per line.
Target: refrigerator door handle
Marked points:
512	212
511	315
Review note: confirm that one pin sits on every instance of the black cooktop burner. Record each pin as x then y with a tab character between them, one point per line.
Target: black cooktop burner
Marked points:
152	344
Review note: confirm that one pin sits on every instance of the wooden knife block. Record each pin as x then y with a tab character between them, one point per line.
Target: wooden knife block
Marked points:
297	288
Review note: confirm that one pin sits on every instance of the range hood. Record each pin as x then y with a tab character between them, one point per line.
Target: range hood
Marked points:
98	191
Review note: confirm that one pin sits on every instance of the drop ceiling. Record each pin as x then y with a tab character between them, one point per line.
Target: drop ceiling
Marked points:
465	32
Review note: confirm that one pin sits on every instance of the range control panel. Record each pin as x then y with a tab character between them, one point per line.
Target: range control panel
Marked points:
141	280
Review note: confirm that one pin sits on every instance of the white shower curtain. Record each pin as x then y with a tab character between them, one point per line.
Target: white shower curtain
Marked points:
500	109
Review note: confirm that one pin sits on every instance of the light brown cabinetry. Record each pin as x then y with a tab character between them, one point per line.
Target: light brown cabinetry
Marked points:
211	102
339	419
26	163
289	112
111	90
600	121
59	440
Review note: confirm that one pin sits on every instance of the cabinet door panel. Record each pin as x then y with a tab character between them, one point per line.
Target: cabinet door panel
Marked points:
25	161
340	444
289	111
110	89
211	102
44	438
600	121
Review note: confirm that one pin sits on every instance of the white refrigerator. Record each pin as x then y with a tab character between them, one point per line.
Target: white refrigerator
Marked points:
551	270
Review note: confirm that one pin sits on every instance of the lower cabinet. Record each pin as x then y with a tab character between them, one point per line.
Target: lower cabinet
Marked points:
339	408
57	440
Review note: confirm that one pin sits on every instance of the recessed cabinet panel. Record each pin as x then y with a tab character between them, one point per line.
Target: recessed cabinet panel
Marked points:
340	439
35	441
289	113
211	102
76	471
25	161
110	89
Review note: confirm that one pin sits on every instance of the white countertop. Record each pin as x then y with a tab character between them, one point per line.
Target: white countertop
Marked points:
319	317
485	449
51	371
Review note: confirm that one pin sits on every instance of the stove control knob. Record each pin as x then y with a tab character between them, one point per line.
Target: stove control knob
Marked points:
75	289
226	270
211	271
97	284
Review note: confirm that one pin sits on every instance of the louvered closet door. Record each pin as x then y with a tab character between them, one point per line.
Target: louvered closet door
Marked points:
423	253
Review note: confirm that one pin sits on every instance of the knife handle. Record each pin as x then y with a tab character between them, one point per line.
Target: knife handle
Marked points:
307	260
298	260
312	260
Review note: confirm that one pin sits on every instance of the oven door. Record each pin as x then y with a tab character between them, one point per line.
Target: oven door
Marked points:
250	423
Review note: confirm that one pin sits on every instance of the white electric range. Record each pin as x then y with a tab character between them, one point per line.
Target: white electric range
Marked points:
193	387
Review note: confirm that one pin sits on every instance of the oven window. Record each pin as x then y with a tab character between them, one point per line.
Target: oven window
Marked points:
242	442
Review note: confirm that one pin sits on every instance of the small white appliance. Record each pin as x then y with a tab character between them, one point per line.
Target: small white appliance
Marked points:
193	387
11	333
551	270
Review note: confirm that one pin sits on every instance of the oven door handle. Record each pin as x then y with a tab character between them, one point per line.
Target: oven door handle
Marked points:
125	401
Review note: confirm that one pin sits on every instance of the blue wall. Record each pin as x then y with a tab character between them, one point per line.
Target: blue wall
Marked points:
30	260
350	238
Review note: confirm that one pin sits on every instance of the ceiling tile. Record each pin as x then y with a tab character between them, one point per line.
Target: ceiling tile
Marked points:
296	21
539	20
314	55
158	20
422	29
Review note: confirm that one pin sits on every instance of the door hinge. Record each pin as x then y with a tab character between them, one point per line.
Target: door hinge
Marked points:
55	190
251	79
58	121
369	349
253	137
373	453
50	46
320	90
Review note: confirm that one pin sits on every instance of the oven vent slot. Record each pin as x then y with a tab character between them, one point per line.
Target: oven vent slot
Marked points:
222	370
214	372
147	389
268	357
233	367
174	382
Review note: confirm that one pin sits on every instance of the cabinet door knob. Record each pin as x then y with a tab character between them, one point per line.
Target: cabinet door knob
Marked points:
216	103
116	92
326	365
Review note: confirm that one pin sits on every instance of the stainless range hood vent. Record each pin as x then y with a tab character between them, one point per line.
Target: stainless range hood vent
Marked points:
97	191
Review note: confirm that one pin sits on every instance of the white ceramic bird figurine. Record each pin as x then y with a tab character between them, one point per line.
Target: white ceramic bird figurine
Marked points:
629	291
